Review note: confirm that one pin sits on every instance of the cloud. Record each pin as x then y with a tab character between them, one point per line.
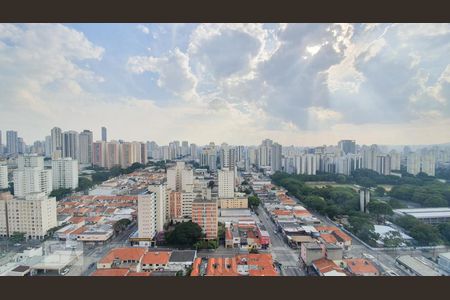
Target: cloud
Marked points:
143	28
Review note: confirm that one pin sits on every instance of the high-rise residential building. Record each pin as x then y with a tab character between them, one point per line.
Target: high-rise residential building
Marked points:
347	146
395	160
144	153
428	164
369	155
21	147
56	136
65	173
162	203
113	155
85	144
104	136
48	146
147	227
184	148
3	177
227	157
208	157
205	214
413	162
34	215
164	152
31	177
264	153
99	154
12	142
180	178
383	164
193	151
276	156
70	144
226	182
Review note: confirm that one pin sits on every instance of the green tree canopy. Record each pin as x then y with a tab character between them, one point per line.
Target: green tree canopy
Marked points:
184	234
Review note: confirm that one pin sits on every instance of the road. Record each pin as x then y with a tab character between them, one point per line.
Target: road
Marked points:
92	254
384	261
281	252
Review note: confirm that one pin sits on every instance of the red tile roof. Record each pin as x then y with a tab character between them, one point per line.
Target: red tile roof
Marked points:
111	272
361	266
123	254
159	257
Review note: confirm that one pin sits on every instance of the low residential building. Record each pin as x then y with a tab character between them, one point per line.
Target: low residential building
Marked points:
235	202
123	258
326	267
155	260
239	265
181	260
361	267
310	252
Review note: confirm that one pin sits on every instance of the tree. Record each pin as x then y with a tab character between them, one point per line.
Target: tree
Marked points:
380	209
340	179
121	225
316	203
185	234
380	191
444	230
221	231
17	237
60	193
253	201
84	184
393	239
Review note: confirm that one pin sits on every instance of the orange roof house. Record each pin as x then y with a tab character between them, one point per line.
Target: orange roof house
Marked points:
111	272
124	255
361	267
156	258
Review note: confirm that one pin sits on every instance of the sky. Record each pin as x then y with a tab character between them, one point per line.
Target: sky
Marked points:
298	84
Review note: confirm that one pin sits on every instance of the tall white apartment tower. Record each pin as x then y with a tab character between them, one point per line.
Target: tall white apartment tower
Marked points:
147	216
65	173
226	183
31	177
162	202
180	178
56	137
85	144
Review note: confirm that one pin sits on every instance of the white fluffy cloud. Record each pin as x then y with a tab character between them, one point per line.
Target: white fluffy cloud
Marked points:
239	83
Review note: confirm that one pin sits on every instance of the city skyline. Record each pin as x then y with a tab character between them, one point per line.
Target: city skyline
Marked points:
298	84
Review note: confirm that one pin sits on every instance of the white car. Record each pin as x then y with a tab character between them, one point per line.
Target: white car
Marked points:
65	271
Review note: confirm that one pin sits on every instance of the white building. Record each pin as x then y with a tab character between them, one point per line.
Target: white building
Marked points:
31	177
147	207
3	177
34	215
162	203
226	183
180	178
65	173
85	143
70	144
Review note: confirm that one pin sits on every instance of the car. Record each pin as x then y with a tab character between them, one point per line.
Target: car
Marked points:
65	271
17	245
275	232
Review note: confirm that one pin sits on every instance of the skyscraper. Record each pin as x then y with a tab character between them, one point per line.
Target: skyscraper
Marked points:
226	183
99	154
347	146
11	142
56	135
227	156
104	136
31	177
70	144
85	144
65	173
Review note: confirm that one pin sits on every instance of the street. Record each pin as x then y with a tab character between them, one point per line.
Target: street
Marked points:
288	257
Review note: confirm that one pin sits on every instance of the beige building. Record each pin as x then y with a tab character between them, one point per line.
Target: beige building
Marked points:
236	202
34	215
226	183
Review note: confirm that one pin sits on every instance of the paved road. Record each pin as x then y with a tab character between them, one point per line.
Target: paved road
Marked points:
92	254
383	260
288	257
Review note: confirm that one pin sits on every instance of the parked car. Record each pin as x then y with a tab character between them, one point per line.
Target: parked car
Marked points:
17	245
65	271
